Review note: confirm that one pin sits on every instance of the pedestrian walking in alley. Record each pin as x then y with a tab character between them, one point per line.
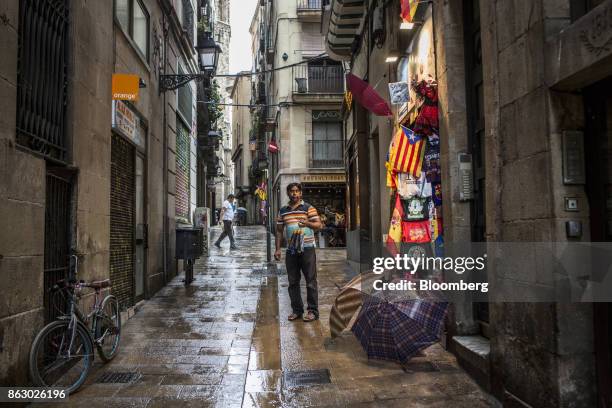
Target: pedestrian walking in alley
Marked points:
227	216
297	220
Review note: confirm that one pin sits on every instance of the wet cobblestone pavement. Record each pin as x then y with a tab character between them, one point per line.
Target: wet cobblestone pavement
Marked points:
225	342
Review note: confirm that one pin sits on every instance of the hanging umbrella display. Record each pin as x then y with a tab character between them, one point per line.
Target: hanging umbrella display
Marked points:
367	96
397	330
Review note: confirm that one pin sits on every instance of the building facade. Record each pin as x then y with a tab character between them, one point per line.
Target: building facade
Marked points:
109	180
243	150
222	34
517	84
302	95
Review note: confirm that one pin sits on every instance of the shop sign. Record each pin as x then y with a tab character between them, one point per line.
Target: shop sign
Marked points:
323	178
126	122
326	116
125	87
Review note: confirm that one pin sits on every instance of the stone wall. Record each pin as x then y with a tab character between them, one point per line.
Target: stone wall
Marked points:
22	192
89	127
222	36
97	49
535	358
22	214
451	78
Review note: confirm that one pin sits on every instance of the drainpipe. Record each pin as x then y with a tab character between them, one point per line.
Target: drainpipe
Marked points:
165	158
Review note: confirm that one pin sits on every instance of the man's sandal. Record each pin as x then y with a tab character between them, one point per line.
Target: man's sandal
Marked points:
293	316
310	316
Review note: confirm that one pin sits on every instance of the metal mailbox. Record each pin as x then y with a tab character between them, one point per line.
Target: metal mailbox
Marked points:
189	243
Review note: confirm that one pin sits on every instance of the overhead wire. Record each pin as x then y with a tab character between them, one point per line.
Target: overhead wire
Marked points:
265	71
246	105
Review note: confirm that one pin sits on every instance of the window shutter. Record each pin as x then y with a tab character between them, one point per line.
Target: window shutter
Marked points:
312	39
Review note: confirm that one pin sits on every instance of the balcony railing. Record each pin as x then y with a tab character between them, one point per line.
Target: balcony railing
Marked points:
271	109
269	47
318	79
309	5
325	154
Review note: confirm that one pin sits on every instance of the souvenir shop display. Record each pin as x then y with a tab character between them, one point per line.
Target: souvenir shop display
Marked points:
427	119
398	93
415	209
416	231
431	160
394	237
436	193
414	176
409	186
407	151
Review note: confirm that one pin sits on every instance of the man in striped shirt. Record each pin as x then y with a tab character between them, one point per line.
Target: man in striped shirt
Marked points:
298	217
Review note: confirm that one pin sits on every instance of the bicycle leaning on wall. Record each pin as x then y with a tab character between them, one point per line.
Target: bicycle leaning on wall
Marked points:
62	353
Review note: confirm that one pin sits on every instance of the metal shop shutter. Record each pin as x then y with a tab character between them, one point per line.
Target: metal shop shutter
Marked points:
123	190
182	172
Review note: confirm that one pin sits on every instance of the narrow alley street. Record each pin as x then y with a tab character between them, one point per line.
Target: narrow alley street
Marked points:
225	342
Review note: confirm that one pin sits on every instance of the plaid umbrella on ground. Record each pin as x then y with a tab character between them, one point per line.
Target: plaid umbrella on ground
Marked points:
348	301
397	330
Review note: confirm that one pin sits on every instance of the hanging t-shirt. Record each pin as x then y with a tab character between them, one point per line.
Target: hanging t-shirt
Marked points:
409	186
437	193
415	209
416	231
431	159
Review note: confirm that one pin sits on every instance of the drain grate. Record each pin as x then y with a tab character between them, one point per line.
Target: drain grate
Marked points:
118	378
272	269
422	367
308	377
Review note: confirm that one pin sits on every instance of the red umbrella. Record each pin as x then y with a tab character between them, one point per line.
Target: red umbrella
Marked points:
367	96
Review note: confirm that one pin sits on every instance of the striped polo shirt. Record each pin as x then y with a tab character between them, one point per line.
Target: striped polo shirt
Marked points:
289	218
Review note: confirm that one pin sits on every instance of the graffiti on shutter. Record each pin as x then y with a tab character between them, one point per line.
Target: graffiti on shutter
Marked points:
182	172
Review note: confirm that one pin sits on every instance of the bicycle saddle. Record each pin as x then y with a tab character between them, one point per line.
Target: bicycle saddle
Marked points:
99	284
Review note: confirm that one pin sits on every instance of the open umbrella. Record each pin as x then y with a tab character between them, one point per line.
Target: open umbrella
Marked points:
241	209
367	96
351	297
397	330
349	300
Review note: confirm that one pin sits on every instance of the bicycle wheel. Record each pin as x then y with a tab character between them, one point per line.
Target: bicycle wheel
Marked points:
108	329
58	360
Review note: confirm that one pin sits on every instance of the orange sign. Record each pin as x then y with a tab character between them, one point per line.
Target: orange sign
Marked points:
125	87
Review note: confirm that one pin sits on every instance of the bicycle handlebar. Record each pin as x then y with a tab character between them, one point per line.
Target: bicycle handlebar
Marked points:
71	283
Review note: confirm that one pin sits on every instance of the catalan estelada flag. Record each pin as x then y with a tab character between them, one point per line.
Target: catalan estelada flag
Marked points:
408	9
407	152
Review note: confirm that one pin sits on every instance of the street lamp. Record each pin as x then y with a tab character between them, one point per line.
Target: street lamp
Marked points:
208	53
208	58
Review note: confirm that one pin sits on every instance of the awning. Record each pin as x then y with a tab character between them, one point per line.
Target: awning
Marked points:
342	20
